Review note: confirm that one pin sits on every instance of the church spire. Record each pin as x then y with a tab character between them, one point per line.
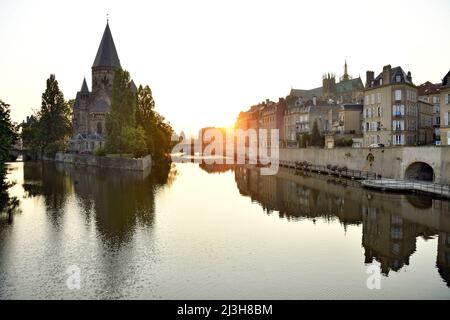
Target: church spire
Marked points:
84	87
346	75
107	54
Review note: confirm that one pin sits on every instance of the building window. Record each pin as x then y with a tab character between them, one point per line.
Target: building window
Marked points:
398	78
398	125
399	139
378	97
99	128
398	95
398	110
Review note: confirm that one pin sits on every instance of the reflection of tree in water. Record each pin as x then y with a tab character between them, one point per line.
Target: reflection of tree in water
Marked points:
8	205
44	179
116	200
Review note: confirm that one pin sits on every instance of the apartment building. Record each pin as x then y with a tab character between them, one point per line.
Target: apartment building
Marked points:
272	118
390	108
425	123
445	110
431	92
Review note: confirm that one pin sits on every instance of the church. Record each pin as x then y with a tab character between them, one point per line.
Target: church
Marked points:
90	107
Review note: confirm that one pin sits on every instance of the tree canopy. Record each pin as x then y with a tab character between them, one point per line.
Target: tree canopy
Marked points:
316	138
8	136
158	133
133	125
52	125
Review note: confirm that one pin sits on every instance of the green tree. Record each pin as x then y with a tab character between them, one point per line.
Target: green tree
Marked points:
49	130
31	135
133	141
121	113
316	138
8	136
158	133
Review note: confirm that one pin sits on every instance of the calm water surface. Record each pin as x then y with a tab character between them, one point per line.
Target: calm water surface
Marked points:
216	232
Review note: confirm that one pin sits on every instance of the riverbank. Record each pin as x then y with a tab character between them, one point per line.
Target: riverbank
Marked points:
141	164
410	163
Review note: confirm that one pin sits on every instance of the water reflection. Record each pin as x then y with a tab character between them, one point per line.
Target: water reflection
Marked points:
391	223
116	200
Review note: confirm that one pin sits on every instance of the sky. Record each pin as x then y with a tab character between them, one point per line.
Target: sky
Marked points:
207	60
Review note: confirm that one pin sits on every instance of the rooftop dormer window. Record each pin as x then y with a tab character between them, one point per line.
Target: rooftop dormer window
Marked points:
398	78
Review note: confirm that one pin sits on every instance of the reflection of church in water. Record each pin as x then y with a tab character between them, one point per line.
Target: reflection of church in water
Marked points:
390	225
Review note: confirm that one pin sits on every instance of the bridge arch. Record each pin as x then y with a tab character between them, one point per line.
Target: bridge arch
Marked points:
420	171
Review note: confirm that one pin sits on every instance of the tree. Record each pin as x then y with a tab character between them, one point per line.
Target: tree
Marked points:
133	141
303	140
8	136
158	133
316	139
121	113
51	130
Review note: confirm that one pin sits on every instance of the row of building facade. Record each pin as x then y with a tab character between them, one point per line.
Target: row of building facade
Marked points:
388	109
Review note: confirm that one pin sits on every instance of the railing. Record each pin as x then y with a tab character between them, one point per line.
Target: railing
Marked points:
341	172
410	185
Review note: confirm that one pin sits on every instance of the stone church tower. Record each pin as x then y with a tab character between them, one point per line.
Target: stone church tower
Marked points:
90	108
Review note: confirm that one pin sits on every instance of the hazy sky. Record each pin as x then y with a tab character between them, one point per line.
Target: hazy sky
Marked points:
206	60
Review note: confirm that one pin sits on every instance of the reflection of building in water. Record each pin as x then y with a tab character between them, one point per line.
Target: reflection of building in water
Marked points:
388	238
443	256
294	200
391	223
216	167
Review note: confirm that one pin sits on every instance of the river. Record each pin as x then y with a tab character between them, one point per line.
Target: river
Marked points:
216	232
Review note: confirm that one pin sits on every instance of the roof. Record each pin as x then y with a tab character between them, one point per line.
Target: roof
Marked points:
397	71
349	85
107	54
429	88
446	80
84	87
134	89
307	94
352	107
76	105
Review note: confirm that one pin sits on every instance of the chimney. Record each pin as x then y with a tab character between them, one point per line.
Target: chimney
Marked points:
370	76
387	74
409	76
314	100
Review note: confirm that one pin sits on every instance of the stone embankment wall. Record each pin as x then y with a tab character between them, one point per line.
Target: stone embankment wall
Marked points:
387	162
141	164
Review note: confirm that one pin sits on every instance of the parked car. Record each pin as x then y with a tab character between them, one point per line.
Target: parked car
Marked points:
376	145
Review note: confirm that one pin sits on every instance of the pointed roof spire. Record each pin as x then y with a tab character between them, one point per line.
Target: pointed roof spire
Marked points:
107	54
346	75
84	87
